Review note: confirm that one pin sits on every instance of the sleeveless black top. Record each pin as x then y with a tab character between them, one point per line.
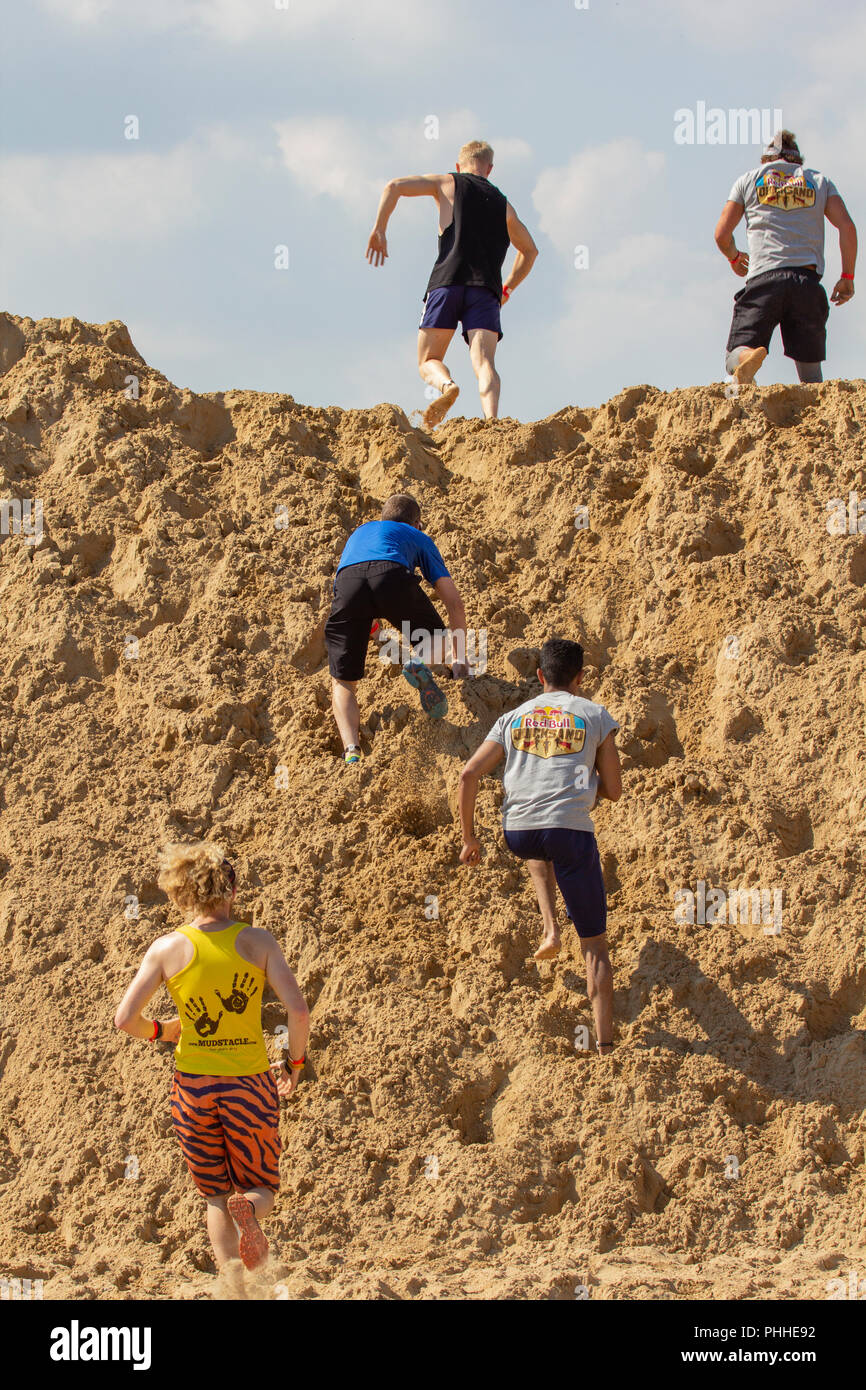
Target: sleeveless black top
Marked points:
472	249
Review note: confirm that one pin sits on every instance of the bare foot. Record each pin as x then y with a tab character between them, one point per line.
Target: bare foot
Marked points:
439	408
550	947
746	368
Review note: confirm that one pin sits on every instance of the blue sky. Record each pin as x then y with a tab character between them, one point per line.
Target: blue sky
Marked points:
262	126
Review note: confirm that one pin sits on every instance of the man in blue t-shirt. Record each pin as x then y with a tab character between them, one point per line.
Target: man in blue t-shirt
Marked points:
785	204
376	579
559	756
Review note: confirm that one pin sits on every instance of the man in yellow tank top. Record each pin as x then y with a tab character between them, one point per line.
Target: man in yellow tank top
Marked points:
225	1098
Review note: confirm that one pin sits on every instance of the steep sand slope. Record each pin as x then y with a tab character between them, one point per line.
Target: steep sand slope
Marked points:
724	627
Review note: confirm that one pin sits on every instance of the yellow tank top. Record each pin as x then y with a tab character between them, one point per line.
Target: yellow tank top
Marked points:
219	1002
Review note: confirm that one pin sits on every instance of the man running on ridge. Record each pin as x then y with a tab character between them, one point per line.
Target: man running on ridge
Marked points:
785	205
476	225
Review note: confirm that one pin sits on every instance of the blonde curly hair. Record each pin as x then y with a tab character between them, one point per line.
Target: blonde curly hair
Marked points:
195	877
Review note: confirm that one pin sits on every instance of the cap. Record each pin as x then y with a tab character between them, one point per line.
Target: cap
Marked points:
782	145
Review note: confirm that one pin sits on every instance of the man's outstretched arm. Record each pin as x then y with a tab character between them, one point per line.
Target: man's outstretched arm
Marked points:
838	216
525	247
483	760
426	185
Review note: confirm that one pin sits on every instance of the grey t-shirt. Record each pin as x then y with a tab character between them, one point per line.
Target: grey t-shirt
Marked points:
550	745
784	215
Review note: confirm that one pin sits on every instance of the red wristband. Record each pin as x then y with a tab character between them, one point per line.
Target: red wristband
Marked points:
505	294
843	276
155	1034
300	1062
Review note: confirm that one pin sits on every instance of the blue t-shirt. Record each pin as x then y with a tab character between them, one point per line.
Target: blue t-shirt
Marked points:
396	541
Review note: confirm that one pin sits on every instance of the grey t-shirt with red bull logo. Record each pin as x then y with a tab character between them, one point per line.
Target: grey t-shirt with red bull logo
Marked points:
785	206
550	746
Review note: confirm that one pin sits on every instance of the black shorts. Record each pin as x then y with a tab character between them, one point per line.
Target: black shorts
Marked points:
793	300
373	589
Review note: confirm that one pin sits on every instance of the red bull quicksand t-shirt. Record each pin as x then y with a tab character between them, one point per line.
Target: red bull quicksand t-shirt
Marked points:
785	206
550	745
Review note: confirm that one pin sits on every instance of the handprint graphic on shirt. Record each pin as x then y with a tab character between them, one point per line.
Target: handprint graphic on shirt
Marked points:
240	996
204	1025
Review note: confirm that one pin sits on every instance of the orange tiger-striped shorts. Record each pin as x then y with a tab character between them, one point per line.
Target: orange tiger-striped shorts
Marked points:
228	1130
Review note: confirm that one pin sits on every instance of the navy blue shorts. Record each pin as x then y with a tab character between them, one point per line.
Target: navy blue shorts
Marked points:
477	306
574	855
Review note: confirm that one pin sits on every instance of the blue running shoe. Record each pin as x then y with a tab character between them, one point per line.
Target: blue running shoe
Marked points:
433	701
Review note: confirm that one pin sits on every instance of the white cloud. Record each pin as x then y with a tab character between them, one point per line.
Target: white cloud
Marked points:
612	199
736	22
597	195
379	26
337	157
644	253
630	302
131	196
326	155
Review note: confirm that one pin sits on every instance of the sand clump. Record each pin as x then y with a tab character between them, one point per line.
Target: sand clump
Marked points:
163	678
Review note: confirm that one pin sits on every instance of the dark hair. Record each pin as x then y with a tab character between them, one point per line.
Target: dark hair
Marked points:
402	507
560	662
790	150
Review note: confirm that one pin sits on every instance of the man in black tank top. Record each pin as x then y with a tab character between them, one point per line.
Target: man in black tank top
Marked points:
476	226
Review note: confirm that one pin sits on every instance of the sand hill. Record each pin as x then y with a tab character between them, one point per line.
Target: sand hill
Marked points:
163	677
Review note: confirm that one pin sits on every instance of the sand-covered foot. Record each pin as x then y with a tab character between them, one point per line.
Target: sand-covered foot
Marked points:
439	408
745	370
550	947
253	1242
